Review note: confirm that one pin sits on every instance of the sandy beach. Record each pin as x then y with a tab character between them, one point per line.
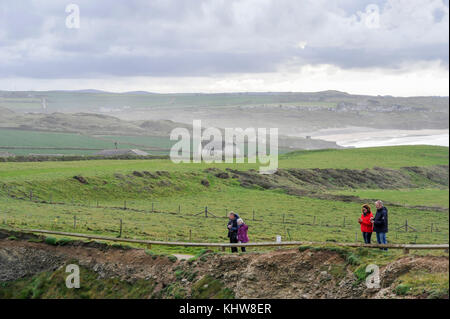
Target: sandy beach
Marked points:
369	137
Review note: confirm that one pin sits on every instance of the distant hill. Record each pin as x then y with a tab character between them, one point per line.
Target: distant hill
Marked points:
294	113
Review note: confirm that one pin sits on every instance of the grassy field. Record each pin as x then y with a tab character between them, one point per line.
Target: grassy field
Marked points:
178	197
405	197
60	142
361	158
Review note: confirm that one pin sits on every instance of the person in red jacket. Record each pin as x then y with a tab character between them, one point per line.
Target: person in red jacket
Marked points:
366	223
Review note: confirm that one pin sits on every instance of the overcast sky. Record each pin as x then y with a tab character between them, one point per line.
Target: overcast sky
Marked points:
396	47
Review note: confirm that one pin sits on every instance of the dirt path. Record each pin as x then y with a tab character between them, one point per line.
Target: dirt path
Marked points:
183	257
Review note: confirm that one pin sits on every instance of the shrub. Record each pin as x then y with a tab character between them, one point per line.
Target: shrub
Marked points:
172	258
50	241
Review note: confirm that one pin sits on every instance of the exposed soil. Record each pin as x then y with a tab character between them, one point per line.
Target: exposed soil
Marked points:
277	274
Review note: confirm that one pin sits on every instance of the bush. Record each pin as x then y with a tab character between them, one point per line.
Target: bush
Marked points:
172	258
51	241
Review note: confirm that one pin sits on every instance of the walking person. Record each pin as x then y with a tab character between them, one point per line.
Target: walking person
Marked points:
366	223
380	223
242	233
232	230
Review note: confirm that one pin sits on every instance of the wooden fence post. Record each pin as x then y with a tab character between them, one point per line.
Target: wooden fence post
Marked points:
406	226
120	231
179	209
74	221
206	211
124	204
253	214
314	221
31	196
190	234
344	222
287	230
356	236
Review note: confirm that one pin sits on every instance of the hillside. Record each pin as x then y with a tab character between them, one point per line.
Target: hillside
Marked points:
314	195
31	133
34	269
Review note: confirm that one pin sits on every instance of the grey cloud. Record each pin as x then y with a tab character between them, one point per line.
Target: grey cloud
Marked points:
184	37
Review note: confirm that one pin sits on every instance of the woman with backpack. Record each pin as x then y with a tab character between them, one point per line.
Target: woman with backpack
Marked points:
366	223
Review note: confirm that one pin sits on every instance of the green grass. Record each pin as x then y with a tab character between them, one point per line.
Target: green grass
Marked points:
361	158
406	197
33	140
48	139
417	283
177	194
391	157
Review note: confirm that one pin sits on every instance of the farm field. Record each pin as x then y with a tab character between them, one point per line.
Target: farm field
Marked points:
61	143
156	199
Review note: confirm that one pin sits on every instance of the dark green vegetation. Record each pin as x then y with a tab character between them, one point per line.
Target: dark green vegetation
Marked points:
51	285
421	283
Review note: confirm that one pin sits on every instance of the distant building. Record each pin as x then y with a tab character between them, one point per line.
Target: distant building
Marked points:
121	152
6	154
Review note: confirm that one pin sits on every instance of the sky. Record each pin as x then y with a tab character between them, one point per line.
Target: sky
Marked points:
390	47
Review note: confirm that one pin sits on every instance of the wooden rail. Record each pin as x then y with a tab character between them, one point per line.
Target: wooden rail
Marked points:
405	247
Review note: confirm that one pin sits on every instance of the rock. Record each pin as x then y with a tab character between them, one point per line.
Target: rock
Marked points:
205	182
222	175
81	179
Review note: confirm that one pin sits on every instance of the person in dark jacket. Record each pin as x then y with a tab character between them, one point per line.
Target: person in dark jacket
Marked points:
380	223
233	230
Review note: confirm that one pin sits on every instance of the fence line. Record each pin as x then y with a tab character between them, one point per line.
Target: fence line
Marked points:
405	247
207	213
